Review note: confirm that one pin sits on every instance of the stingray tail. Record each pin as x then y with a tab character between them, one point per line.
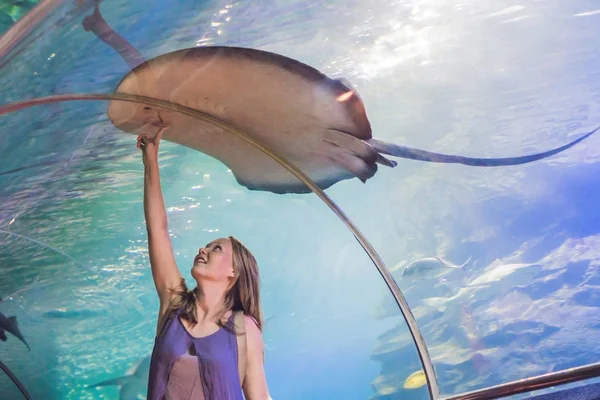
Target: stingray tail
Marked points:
465	263
13	378
422	155
466	270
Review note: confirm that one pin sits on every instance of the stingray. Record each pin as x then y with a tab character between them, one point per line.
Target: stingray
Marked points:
133	383
9	324
317	123
430	267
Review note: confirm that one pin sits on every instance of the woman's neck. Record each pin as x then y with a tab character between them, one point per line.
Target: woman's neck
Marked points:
210	302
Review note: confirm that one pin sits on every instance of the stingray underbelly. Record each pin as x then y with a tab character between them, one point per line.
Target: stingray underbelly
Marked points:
251	166
294	114
243	86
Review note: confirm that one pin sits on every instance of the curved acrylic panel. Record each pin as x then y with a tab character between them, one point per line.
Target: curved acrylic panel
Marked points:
77	248
477	79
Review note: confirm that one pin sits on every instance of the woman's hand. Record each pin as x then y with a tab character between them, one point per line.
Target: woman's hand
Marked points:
149	146
94	21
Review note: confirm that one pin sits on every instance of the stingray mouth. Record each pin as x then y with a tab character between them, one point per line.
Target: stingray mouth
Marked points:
134	117
160	122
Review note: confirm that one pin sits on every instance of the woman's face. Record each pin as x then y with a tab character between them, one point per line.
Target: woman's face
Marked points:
214	262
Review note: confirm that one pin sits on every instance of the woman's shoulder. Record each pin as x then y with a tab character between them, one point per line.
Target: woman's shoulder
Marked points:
253	332
247	319
250	322
244	321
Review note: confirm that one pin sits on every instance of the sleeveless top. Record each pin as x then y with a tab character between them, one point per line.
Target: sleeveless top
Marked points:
185	382
216	356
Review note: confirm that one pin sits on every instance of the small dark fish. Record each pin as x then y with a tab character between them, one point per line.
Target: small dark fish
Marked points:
72	314
9	324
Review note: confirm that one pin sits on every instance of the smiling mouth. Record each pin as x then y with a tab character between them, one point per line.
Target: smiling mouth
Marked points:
199	259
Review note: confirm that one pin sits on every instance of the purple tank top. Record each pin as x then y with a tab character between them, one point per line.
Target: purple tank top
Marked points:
217	356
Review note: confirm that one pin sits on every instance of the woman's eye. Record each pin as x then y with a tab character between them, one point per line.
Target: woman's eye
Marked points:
217	247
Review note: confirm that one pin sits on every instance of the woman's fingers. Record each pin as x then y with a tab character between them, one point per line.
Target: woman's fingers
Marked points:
141	141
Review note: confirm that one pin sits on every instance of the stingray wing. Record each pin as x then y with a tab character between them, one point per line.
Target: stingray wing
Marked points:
13	328
316	123
120	381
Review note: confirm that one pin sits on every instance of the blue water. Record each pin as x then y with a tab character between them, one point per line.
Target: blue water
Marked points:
476	77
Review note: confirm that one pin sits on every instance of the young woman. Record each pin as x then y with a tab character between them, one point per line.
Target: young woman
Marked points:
209	342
